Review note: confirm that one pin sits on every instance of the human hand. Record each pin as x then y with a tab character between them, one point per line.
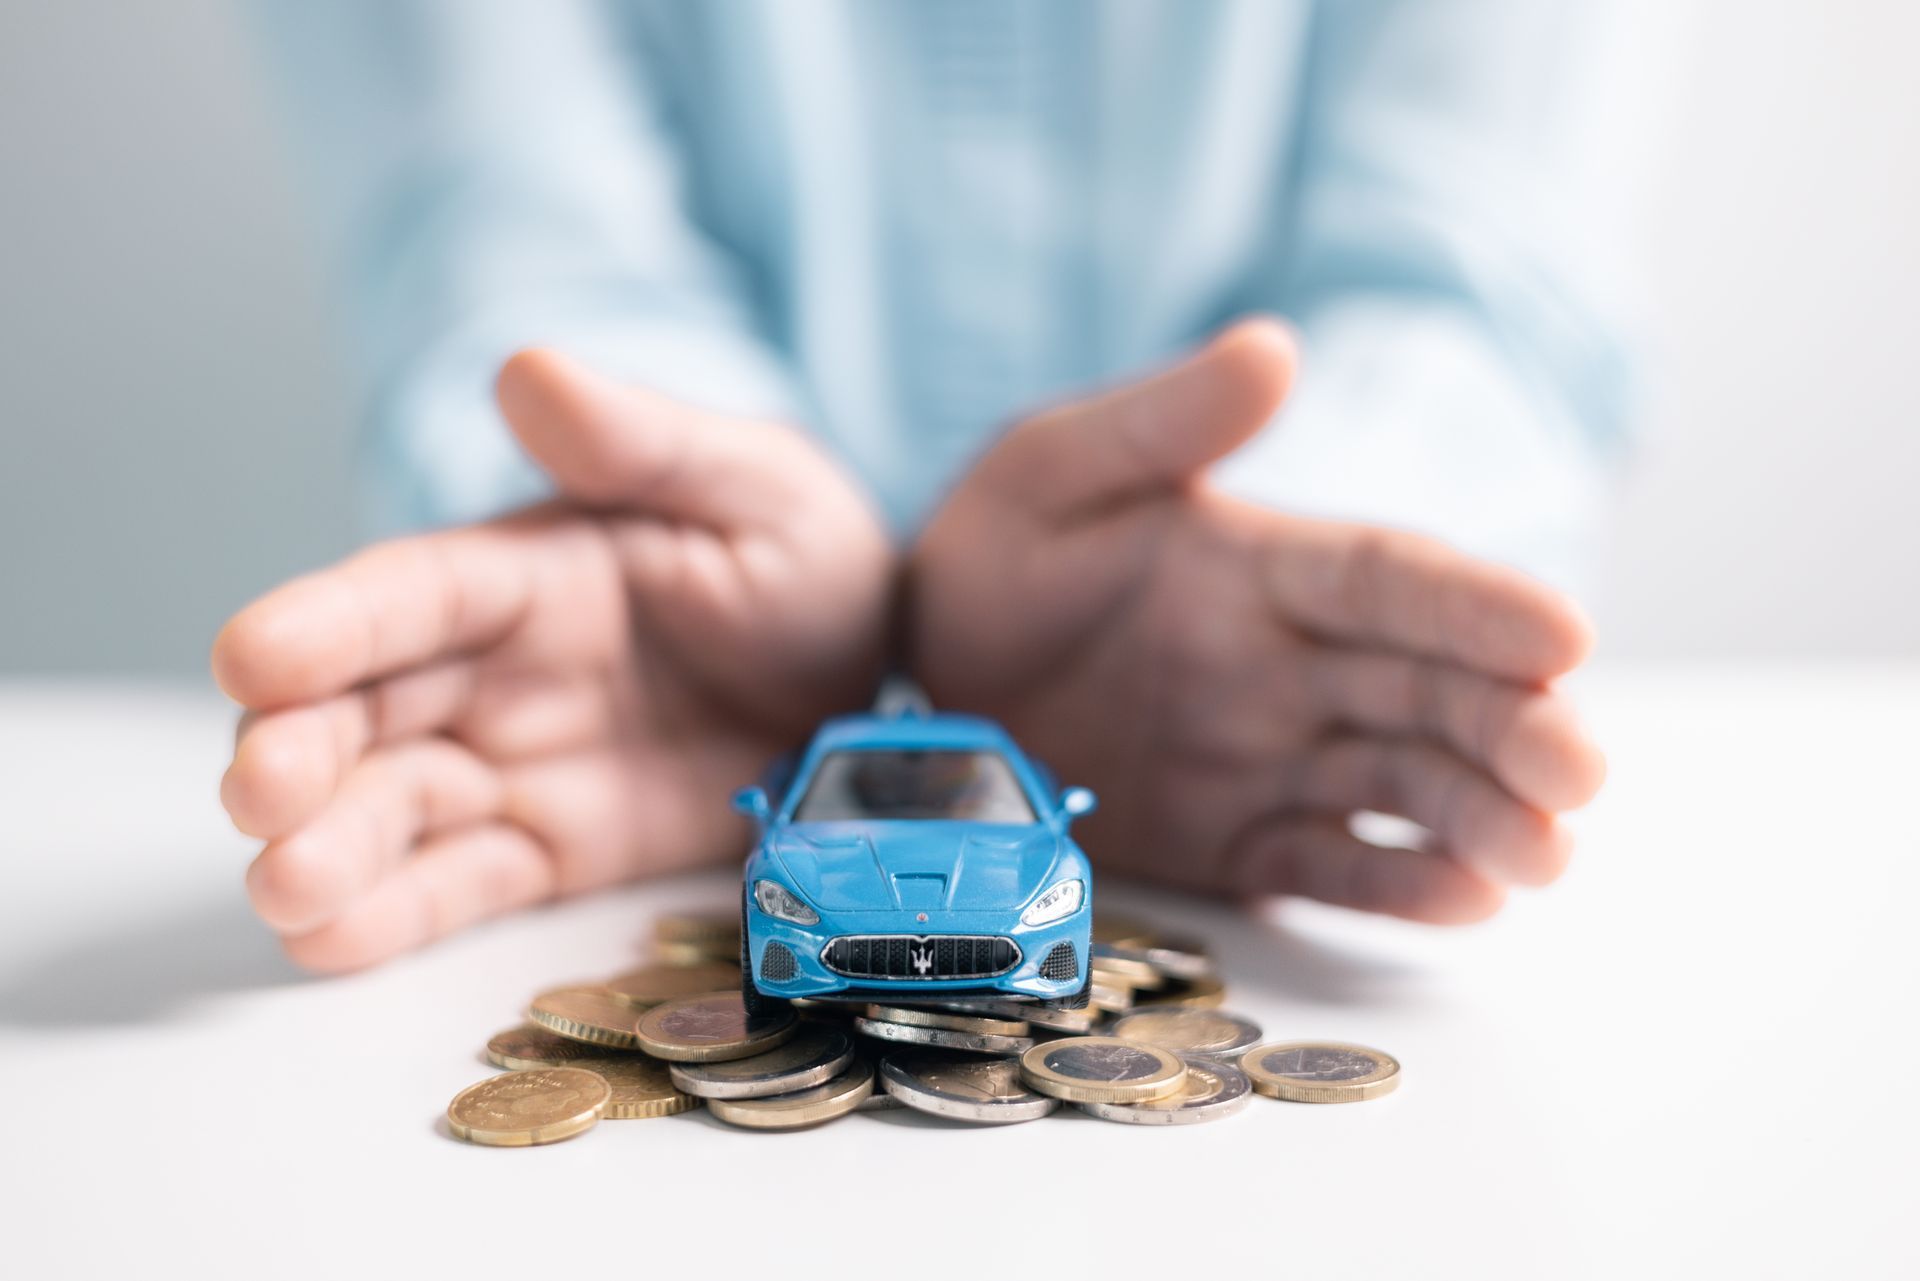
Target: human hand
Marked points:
446	727
1236	682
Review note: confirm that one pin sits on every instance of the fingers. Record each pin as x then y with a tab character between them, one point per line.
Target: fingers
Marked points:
288	764
1389	588
1319	858
396	605
609	444
1151	435
1530	740
383	809
451	882
1482	826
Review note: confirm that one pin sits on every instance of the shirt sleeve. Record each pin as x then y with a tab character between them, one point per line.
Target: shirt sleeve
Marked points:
1441	252
492	175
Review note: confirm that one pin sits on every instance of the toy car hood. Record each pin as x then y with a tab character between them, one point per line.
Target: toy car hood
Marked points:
920	865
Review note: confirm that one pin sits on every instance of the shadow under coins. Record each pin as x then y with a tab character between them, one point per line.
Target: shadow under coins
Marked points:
135	973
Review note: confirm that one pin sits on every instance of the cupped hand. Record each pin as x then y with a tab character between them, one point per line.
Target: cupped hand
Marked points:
1236	683
450	726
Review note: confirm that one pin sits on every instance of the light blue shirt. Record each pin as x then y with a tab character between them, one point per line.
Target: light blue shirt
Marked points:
904	224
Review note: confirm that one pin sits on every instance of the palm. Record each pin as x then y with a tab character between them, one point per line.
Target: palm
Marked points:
1236	682
629	701
457	724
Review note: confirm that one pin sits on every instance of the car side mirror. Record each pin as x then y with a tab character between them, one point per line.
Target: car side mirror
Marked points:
1076	802
753	802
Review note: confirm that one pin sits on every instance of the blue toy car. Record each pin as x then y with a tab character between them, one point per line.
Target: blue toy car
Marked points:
915	855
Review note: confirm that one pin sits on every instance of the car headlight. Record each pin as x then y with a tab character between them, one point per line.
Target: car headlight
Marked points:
777	900
1062	900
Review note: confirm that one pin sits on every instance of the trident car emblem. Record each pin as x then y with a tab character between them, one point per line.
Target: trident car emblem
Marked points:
923	959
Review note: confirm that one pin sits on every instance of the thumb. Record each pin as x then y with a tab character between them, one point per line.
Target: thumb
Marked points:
1156	433
608	444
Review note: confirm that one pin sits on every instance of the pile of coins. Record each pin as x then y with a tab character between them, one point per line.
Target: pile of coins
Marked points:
1154	1047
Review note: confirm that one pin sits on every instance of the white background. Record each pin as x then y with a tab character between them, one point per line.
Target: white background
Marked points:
175	426
1692	1057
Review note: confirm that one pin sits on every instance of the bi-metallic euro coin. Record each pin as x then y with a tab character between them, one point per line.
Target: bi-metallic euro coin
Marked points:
709	1029
951	1022
816	1054
835	1098
1189	1030
972	1042
1102	1069
1212	1090
981	1091
1320	1071
1035	1014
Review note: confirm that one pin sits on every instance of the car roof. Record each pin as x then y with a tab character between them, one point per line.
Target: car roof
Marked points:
911	729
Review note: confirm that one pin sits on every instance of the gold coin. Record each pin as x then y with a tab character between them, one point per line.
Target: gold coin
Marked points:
949	1022
1188	1029
1112	998
1207	992
795	1111
1320	1071
641	1088
651	984
698	928
710	1029
1102	1069
521	1048
521	1109
585	1014
1121	931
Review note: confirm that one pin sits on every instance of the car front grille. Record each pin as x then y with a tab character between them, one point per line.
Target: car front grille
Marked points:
1061	964
909	956
776	963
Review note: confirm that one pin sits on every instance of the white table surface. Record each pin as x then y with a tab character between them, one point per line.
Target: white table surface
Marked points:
1692	1057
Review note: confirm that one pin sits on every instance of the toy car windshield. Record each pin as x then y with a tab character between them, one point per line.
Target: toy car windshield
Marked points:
880	785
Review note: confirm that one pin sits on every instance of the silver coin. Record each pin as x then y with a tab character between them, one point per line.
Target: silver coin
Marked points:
1213	1090
1189	1030
983	1091
817	1053
973	1042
